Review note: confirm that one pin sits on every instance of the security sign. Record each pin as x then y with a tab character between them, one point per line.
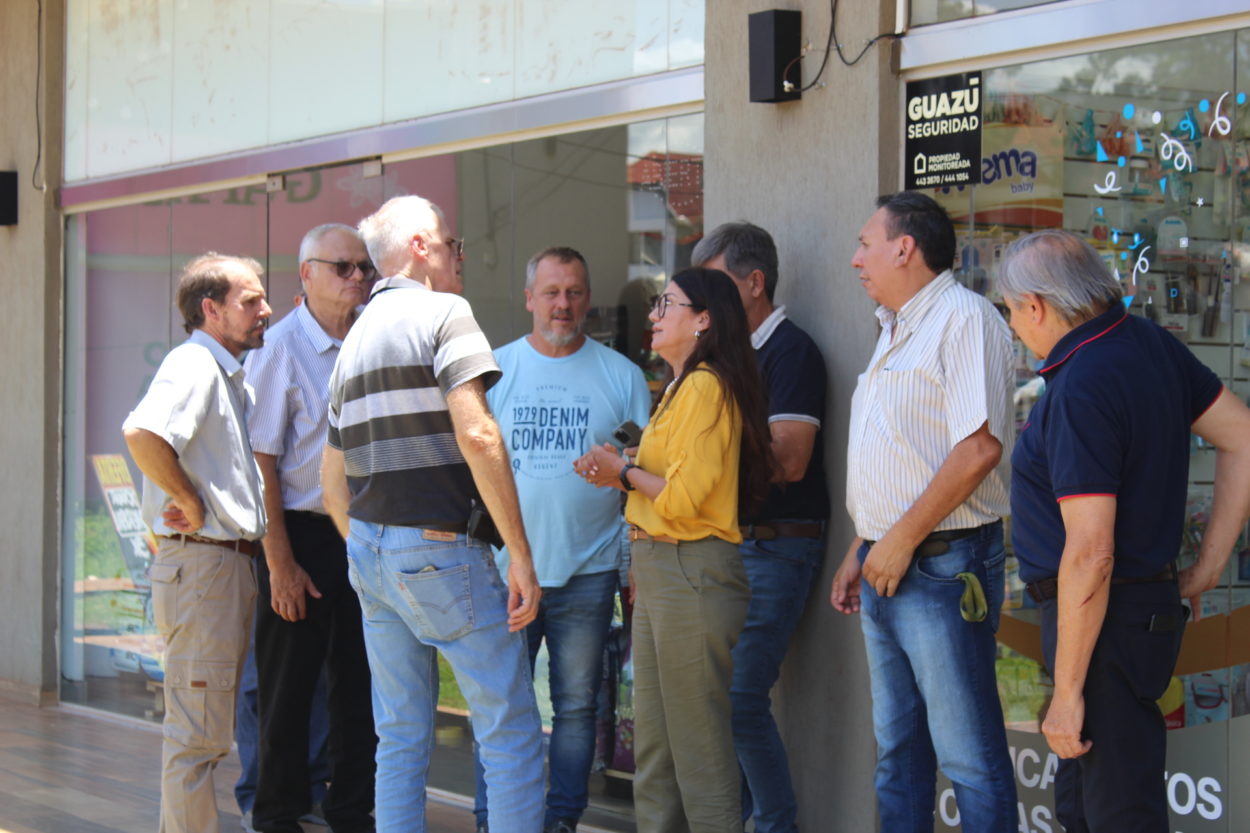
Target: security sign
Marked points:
943	144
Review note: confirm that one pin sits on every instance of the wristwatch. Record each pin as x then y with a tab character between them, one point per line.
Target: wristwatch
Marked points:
625	484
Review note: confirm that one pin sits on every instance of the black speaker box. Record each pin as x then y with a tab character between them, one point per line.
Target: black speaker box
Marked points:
8	198
774	41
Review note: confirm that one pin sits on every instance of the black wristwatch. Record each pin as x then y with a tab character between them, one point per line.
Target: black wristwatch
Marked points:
625	484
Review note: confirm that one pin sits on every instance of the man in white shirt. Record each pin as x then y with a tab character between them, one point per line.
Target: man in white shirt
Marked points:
307	615
926	486
202	498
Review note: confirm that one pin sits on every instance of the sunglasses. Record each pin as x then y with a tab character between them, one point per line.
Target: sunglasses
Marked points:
345	268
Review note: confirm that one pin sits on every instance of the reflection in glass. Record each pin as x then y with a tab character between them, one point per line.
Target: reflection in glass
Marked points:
629	197
938	11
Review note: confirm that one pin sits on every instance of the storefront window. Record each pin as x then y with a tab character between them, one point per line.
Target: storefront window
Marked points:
939	11
629	198
1144	151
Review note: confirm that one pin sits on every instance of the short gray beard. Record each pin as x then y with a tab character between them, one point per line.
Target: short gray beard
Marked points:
560	339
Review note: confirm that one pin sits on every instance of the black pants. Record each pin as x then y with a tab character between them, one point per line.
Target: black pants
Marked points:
289	658
1118	784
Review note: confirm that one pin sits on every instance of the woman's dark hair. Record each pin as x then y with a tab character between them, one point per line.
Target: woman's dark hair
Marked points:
725	349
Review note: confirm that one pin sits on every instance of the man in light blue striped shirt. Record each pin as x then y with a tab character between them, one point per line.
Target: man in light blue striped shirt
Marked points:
927	488
307	614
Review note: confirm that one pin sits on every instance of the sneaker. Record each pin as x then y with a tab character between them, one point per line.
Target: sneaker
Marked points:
562	826
481	828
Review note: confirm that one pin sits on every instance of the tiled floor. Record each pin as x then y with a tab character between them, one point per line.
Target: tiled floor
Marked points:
66	770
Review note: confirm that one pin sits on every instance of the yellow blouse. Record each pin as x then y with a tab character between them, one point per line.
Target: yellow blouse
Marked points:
693	442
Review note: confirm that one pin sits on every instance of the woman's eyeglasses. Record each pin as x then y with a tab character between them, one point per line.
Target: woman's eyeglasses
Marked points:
662	302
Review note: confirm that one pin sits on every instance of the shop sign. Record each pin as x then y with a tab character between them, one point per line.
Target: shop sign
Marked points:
943	131
138	545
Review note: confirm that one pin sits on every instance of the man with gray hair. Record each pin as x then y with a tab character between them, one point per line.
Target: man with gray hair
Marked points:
1099	482
562	393
413	472
307	615
202	499
783	541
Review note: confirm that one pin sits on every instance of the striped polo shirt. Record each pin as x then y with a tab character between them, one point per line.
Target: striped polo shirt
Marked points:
942	367
388	406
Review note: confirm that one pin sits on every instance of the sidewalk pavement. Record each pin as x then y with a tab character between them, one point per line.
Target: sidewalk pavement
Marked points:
73	770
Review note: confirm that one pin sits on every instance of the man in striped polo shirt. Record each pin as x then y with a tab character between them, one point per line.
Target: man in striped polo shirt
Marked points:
412	455
926	487
307	615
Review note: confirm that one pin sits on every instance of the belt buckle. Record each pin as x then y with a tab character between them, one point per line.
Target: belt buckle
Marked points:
437	535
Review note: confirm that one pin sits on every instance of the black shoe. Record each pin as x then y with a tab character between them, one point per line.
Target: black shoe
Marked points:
562	826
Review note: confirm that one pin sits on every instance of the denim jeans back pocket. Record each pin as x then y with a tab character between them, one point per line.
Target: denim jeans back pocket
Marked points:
441	600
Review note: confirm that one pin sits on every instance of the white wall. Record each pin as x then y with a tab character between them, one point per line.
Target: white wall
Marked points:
157	82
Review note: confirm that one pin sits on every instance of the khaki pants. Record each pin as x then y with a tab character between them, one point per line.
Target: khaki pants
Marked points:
202	601
692	601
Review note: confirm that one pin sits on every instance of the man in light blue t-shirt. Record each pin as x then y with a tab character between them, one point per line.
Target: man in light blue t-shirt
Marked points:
561	393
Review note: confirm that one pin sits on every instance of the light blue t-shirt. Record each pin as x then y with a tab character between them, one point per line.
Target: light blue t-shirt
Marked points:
551	411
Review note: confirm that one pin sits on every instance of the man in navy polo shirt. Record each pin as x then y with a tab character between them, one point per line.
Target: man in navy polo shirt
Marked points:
1099	479
783	541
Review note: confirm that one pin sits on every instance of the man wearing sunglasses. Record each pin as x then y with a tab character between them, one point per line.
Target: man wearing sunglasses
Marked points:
307	615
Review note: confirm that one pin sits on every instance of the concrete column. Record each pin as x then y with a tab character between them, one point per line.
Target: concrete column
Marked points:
808	171
31	64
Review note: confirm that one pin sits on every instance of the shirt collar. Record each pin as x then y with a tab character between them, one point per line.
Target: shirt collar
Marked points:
320	339
228	362
914	311
760	337
1080	335
396	282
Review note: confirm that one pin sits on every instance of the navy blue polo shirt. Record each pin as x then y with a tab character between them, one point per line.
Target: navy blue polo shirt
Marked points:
794	377
1121	395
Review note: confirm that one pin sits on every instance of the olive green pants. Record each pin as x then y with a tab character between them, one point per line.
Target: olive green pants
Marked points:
690	605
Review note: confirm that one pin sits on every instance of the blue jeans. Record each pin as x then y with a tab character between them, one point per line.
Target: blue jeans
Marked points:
574	619
420	598
247	736
934	693
780	573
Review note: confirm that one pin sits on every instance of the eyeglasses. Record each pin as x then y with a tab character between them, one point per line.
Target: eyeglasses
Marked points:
456	244
345	268
662	302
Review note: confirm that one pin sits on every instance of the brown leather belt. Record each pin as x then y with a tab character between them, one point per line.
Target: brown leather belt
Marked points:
1048	588
767	532
636	534
249	548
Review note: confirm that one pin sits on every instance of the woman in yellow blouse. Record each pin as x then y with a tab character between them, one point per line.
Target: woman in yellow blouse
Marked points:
705	447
